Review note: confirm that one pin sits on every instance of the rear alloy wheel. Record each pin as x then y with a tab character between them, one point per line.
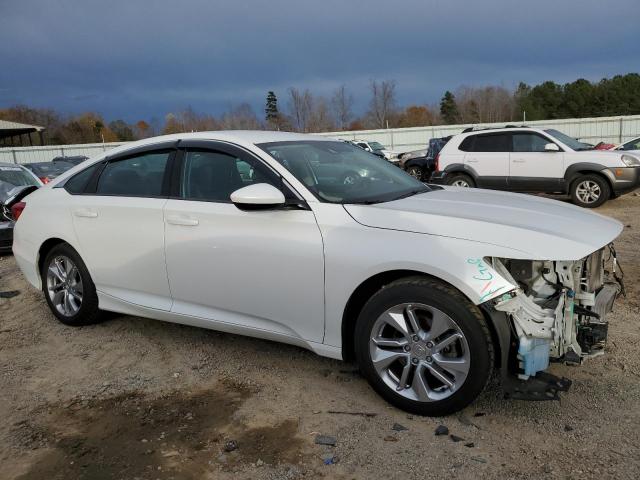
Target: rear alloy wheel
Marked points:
415	171
460	180
590	191
68	288
424	347
64	285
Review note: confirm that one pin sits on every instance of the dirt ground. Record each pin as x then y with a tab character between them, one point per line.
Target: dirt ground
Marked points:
135	398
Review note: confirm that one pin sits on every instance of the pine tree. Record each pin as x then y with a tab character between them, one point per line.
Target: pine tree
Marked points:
449	108
271	110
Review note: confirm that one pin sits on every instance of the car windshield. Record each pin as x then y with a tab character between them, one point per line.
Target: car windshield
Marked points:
376	146
336	172
569	141
12	177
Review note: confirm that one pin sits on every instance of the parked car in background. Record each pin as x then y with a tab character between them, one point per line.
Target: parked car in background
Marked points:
73	159
426	293
603	146
13	180
421	167
375	147
632	146
524	159
47	171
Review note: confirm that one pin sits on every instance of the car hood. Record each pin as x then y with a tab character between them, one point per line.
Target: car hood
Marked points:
539	228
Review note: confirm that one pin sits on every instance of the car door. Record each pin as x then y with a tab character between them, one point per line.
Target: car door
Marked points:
531	167
119	223
488	157
253	269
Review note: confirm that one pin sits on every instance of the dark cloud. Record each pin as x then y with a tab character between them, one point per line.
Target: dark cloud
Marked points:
140	58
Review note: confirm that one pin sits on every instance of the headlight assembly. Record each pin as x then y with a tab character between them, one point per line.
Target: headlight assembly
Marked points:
630	161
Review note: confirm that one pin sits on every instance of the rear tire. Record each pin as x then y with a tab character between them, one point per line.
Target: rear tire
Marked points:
68	287
460	180
443	359
590	191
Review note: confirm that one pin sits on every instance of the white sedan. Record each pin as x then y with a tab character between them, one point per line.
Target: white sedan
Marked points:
427	288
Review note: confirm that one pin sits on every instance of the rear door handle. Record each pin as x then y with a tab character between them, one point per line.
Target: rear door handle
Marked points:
184	221
85	213
472	161
518	161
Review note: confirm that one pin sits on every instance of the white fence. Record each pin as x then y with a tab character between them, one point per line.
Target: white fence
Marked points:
592	130
49	152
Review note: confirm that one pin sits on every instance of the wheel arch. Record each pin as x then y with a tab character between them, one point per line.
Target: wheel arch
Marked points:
462	168
370	286
584	168
44	250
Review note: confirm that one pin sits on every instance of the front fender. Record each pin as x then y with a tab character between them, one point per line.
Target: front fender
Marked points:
576	169
355	253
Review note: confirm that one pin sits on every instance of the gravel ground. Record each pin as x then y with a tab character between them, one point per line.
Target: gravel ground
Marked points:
135	398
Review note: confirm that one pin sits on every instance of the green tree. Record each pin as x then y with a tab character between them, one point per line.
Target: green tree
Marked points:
122	130
449	108
271	112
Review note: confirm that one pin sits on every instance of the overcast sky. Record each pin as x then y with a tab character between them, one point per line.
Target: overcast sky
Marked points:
137	59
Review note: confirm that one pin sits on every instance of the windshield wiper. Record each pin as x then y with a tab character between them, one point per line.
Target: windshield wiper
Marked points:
411	193
366	202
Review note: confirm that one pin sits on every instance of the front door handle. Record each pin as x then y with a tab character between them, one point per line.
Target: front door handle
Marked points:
183	221
85	213
518	161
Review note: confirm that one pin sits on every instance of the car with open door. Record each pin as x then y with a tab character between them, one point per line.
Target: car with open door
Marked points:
15	183
426	294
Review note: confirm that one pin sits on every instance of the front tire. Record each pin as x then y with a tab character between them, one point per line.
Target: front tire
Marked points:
590	191
68	287
415	171
424	347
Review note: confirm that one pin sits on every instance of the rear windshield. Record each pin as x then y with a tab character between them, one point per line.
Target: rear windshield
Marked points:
51	168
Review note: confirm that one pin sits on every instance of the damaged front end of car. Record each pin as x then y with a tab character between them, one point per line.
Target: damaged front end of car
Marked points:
557	313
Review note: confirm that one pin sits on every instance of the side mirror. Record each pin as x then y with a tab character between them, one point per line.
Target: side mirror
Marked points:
257	196
551	147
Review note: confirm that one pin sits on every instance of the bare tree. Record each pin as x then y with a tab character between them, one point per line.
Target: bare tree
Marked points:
241	117
320	118
383	102
300	107
485	104
342	105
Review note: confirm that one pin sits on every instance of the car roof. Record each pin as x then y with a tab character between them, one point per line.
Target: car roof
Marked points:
6	164
239	137
509	128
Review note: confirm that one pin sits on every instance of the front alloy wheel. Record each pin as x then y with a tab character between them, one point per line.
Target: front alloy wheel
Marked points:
420	352
590	191
415	171
423	346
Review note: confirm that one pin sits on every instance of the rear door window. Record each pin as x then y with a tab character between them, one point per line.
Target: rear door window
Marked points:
495	142
138	176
